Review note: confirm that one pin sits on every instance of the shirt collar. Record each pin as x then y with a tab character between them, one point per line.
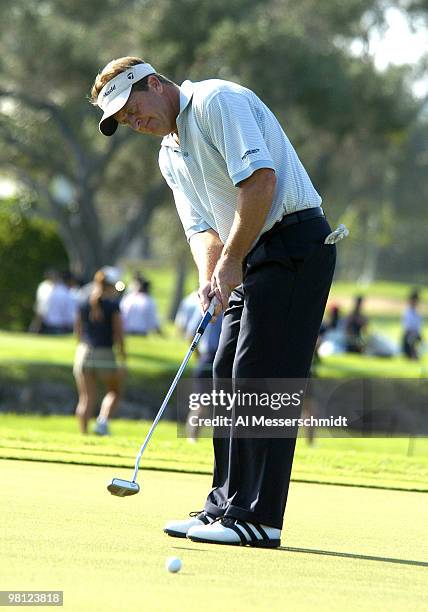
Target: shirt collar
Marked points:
186	93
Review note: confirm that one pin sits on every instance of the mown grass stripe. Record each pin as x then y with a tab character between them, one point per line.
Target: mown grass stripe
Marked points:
4	456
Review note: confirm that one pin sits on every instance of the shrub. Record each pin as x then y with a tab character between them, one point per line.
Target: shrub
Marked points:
28	246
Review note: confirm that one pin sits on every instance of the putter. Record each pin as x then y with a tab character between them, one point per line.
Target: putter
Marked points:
123	488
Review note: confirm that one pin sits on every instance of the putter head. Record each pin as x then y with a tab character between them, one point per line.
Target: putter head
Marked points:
122	488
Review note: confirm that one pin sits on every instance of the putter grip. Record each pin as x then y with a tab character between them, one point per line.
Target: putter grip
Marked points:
207	316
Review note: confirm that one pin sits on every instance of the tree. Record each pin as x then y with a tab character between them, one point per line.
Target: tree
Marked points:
103	192
48	130
27	248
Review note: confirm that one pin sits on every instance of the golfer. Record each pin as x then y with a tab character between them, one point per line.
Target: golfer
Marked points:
257	233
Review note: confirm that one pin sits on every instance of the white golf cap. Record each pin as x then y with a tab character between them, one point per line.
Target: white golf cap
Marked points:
112	275
115	94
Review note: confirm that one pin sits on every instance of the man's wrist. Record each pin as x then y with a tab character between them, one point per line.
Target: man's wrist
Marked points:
204	282
232	256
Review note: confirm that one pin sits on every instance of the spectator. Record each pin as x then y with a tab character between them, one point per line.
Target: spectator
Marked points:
137	280
356	325
139	311
56	314
334	320
99	329
412	327
185	313
42	295
113	273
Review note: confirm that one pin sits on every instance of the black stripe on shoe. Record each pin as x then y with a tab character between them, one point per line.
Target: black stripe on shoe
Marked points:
261	531
229	523
264	541
251	534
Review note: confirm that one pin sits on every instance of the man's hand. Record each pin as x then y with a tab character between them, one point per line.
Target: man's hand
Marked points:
206	294
206	250
226	276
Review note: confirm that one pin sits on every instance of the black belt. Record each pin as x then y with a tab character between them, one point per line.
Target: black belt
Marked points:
301	215
293	218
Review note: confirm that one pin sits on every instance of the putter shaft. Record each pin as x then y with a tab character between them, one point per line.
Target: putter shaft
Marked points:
202	326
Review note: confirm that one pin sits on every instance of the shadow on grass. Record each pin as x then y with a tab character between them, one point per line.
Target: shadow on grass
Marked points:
330	553
191	548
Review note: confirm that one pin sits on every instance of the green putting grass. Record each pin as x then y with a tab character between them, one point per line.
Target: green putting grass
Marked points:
342	549
393	463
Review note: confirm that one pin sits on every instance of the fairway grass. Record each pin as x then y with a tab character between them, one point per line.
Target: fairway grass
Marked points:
342	548
388	463
27	357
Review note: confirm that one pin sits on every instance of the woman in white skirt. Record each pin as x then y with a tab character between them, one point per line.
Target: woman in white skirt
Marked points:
99	332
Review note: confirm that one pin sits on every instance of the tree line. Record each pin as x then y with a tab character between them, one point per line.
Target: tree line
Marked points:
361	133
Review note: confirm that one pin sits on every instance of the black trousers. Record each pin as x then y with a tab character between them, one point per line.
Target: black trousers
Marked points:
269	331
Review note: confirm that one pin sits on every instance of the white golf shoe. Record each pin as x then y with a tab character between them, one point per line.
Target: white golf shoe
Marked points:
228	530
179	529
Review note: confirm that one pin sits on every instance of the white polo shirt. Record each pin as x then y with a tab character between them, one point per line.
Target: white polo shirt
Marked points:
139	313
226	133
412	321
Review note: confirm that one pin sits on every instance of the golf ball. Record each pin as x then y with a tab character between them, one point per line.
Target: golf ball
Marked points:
173	564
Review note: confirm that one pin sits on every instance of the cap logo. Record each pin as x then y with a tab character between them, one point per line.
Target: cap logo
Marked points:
108	91
130	75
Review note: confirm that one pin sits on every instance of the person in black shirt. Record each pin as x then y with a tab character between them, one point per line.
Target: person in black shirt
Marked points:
356	325
99	329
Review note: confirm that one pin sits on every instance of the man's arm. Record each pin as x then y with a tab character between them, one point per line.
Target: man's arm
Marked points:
255	197
206	249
